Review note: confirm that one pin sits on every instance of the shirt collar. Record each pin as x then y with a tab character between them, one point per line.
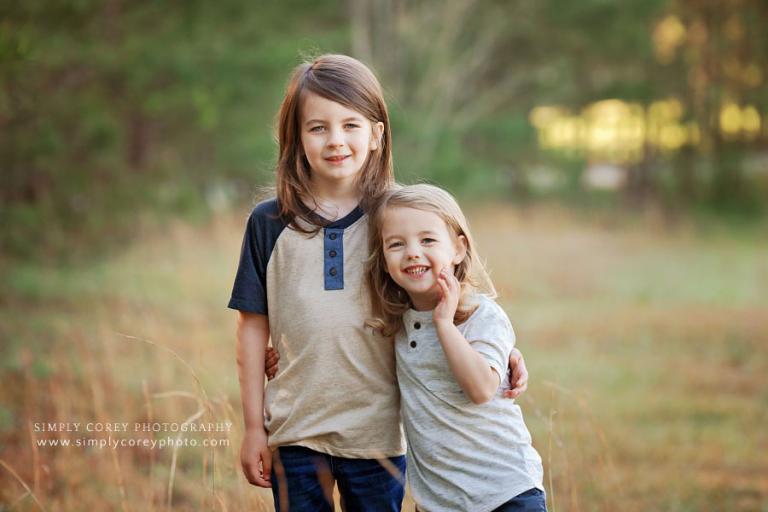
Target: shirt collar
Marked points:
412	316
342	223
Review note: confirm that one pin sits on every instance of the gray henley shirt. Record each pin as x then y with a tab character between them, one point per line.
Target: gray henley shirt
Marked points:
462	456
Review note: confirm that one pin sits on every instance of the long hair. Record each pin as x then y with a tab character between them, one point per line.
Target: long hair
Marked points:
389	301
346	81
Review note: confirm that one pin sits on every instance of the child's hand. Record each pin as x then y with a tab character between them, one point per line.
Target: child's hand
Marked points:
256	458
450	290
271	358
518	375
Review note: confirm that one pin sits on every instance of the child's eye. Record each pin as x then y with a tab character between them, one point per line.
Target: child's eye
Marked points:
317	128
351	125
395	245
428	240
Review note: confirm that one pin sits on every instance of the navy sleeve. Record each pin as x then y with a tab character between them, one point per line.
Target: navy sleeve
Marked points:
249	292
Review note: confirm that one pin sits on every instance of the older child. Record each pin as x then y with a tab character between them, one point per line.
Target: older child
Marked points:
468	447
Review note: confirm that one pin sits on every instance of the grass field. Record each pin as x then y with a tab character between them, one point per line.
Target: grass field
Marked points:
647	347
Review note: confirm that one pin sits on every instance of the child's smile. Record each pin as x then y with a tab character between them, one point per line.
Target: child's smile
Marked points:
336	159
416	271
417	246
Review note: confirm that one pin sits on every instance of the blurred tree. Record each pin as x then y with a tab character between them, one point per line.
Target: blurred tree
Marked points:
108	106
111	107
457	66
720	58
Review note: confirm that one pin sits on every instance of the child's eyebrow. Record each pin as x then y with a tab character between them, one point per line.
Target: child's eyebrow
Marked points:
358	119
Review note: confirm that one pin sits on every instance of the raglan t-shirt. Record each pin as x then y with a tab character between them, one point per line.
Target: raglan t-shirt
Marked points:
461	455
336	388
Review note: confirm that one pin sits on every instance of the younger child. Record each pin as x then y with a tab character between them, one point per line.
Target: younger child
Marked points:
468	447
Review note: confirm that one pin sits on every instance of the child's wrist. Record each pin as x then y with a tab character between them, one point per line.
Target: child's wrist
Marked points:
254	426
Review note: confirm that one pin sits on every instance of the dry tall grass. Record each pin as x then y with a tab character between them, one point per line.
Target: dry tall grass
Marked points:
647	351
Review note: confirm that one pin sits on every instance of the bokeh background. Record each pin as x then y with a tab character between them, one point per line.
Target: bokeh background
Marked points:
612	157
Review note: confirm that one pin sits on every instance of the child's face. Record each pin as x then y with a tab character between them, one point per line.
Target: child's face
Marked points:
336	139
417	246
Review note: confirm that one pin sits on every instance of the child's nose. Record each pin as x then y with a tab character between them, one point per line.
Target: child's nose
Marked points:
413	252
335	138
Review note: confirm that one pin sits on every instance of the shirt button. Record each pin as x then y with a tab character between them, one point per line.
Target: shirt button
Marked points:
332	253
413	344
332	271
417	325
332	236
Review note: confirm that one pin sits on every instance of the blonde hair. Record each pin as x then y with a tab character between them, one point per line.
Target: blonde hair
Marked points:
389	301
346	81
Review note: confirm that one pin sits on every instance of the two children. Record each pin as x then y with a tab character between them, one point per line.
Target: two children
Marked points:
332	413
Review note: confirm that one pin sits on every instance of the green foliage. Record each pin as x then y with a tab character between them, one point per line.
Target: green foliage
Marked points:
112	108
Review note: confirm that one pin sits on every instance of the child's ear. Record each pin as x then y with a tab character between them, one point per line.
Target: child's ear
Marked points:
461	249
377	132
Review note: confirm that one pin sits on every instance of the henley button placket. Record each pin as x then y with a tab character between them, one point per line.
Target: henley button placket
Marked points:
333	259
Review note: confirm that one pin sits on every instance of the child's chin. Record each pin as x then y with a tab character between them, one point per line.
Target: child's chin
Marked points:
420	285
424	290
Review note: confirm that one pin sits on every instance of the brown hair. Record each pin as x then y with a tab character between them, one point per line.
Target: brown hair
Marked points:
389	301
346	81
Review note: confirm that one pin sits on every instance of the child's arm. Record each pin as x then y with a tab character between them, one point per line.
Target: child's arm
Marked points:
252	338
518	373
472	371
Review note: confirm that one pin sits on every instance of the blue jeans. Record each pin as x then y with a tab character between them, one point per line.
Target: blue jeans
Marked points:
302	480
532	500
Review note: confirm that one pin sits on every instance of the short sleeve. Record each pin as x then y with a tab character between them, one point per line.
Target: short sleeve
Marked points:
249	292
490	333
